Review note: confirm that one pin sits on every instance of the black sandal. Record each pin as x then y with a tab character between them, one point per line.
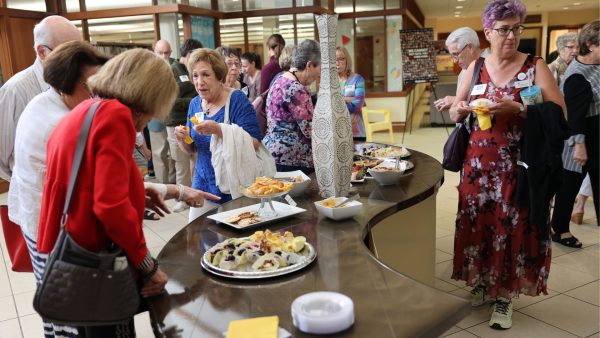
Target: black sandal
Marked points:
571	242
150	215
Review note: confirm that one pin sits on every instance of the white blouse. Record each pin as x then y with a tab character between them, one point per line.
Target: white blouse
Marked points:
37	122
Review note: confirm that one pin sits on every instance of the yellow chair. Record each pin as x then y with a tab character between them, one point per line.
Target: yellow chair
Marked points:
385	124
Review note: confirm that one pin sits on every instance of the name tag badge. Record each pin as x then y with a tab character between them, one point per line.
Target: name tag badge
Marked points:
479	89
522	84
199	116
184	78
349	90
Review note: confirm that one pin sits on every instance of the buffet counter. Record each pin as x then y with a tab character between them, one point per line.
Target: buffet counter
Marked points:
383	259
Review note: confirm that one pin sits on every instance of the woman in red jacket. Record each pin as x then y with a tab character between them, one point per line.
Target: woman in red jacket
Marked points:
109	197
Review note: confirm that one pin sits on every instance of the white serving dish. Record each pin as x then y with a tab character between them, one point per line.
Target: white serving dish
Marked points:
390	177
283	210
298	187
346	211
323	312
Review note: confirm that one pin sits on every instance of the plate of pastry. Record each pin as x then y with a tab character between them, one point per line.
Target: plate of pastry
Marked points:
381	151
248	217
264	254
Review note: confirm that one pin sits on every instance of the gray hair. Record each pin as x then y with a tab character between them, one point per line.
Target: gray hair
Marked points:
463	36
307	50
48	32
562	40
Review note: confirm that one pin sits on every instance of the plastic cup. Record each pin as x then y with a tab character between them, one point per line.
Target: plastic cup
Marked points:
485	121
531	95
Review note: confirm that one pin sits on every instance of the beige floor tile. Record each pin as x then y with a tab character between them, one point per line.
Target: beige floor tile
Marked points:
581	260
443	271
566	313
524	301
450	331
444	286
155	250
32	326
445	244
478	314
142	326
5	289
523	326
441	256
595	335
24	303
588	234
462	334
152	239
563	278
441	232
10	329
561	250
21	282
7	308
588	293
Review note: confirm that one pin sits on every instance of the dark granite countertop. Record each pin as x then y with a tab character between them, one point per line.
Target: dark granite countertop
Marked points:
387	303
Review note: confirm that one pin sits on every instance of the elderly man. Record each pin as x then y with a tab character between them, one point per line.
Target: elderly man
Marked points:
23	86
463	45
567	50
164	166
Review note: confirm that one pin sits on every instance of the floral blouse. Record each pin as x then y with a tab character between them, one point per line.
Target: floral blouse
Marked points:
289	122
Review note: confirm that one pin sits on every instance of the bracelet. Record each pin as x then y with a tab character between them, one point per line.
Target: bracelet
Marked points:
146	263
181	191
152	272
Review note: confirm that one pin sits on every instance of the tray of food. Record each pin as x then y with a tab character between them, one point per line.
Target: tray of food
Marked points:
381	151
267	187
248	217
264	254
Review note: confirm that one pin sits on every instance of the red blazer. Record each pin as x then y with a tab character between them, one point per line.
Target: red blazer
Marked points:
109	197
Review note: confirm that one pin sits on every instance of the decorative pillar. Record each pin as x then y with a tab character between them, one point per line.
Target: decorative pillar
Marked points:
331	126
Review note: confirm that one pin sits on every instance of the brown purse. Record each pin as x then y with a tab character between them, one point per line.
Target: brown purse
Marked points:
80	287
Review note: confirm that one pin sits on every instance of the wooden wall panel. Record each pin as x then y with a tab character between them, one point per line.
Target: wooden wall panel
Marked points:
20	40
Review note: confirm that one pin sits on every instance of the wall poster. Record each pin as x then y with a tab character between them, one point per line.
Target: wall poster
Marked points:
418	55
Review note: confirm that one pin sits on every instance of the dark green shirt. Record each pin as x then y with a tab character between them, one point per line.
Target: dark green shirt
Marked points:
178	114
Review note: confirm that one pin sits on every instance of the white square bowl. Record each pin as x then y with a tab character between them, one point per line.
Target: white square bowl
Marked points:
347	211
297	187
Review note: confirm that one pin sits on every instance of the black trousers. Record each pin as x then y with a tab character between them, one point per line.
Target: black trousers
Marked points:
565	198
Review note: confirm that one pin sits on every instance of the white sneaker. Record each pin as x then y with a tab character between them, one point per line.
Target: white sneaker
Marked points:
501	314
180	206
479	296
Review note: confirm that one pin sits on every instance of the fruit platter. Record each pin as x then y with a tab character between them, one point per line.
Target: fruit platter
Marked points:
264	254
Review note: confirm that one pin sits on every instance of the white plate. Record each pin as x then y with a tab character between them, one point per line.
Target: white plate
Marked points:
283	211
390	163
480	103
322	312
309	258
358	181
298	187
361	147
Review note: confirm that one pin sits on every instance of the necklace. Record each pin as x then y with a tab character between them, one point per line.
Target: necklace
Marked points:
294	73
212	105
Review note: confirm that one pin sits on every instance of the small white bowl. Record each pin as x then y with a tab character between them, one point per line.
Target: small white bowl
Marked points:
297	187
322	312
346	211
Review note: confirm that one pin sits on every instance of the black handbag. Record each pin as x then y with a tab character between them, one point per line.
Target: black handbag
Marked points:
80	287
455	149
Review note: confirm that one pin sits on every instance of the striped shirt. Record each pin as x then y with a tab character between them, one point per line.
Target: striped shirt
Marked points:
592	74
14	96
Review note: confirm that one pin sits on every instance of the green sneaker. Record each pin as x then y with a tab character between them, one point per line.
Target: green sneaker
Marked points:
502	314
479	296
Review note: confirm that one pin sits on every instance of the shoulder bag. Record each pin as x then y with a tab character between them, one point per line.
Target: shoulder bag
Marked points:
80	287
263	156
455	149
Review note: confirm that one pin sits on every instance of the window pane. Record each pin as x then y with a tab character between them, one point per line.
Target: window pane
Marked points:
29	5
115	35
72	5
301	3
305	27
230	6
345	37
370	45
198	3
394	54
392	4
93	5
369	5
232	33
343	6
267	4
260	28
203	30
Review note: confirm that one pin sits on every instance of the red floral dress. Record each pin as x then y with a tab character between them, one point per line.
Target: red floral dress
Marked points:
494	244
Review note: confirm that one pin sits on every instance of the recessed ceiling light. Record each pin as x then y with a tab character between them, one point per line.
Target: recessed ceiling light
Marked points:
565	7
459	7
461	0
456	16
457	13
576	3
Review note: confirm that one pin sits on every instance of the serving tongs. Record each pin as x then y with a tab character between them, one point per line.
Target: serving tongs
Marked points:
347	200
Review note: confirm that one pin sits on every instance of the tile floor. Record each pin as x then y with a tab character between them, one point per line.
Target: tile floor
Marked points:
571	308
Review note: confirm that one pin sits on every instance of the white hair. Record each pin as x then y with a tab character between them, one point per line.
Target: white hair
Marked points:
562	40
47	31
463	36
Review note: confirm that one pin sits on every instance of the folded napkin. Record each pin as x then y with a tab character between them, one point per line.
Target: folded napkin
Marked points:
261	327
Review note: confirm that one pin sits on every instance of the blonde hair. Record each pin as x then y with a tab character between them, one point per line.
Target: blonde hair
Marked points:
211	57
344	51
285	59
139	79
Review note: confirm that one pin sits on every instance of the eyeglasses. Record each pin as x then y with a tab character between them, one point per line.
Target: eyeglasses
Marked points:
457	54
570	47
233	63
504	31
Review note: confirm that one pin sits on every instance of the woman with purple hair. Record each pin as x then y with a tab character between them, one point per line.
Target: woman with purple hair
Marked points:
496	250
